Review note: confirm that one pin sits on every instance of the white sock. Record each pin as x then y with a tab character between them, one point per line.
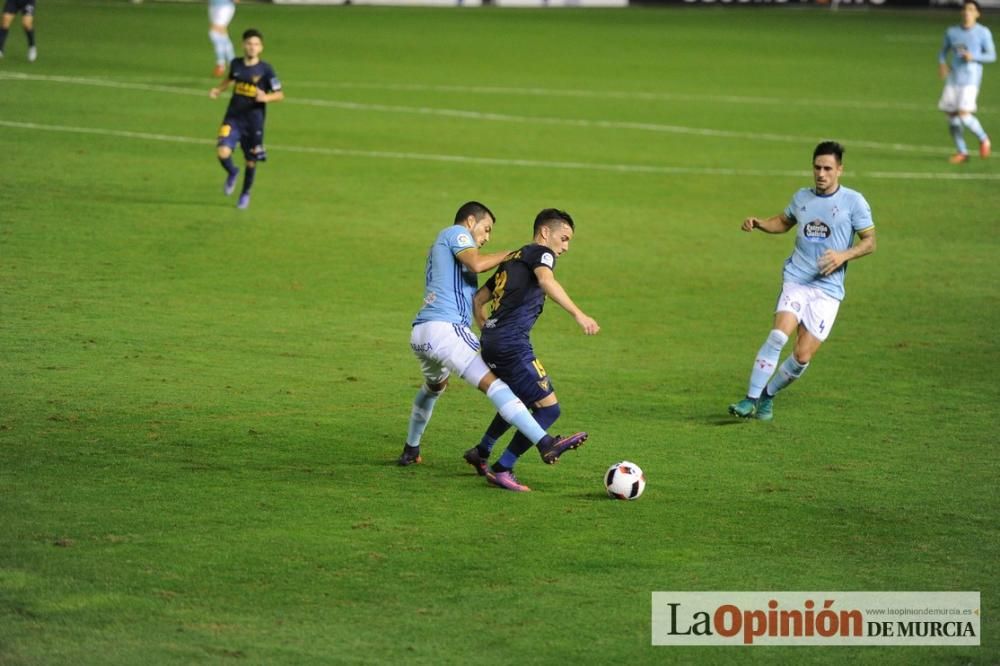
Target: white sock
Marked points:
955	127
974	126
789	371
766	361
514	412
420	415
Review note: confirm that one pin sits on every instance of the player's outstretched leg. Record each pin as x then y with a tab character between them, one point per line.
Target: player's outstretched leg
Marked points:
552	447
744	409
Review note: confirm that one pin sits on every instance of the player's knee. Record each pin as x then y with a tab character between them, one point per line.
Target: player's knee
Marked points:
251	164
224	152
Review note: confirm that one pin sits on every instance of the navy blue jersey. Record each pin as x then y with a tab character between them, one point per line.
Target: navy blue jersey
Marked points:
250	78
517	297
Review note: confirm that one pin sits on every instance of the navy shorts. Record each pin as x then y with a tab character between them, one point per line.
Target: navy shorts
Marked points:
247	133
522	371
27	7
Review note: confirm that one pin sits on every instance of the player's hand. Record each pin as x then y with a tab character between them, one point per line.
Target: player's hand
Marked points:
943	70
750	224
261	96
588	324
967	56
830	262
213	93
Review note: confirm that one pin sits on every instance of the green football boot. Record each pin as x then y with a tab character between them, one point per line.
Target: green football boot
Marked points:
744	409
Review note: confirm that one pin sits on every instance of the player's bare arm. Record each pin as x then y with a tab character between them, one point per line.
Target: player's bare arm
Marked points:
221	88
831	260
478	262
275	96
480	301
778	224
547	281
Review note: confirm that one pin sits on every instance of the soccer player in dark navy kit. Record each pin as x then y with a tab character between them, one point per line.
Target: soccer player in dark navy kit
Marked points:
27	9
256	86
515	295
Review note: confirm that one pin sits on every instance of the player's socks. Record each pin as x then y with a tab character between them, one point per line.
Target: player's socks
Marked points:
545	417
494	432
420	415
514	412
3	37
974	126
30	34
228	165
766	361
787	373
220	43
248	177
955	126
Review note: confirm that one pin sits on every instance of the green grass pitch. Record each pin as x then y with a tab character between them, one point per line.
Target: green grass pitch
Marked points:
200	407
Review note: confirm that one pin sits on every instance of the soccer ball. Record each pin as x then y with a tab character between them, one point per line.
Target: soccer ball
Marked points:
624	480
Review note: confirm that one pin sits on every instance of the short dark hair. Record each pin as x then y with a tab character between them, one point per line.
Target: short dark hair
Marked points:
830	148
973	2
252	32
550	216
475	209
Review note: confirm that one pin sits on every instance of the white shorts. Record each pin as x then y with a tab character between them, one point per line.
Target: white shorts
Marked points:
958	98
221	14
812	307
443	348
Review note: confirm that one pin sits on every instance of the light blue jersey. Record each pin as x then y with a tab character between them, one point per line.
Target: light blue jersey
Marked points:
220	3
824	222
977	40
449	285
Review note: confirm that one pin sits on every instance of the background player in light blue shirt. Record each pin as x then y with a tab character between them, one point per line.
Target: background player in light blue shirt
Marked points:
443	342
220	14
826	218
969	45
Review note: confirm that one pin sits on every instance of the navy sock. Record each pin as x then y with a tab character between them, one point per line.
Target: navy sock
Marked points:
496	430
545	416
3	37
248	178
31	37
228	165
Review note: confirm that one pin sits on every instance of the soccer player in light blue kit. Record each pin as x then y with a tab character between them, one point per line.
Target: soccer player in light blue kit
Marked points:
220	13
826	218
444	344
970	45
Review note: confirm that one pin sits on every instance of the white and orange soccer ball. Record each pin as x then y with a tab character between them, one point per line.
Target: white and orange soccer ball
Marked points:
625	481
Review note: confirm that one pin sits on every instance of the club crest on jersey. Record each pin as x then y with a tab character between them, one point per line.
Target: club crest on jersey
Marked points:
255	79
816	231
547	259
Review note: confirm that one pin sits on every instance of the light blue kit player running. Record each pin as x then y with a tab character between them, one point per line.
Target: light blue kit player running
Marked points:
827	217
444	343
970	45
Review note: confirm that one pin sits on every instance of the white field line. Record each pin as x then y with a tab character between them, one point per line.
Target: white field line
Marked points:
494	117
503	162
638	96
